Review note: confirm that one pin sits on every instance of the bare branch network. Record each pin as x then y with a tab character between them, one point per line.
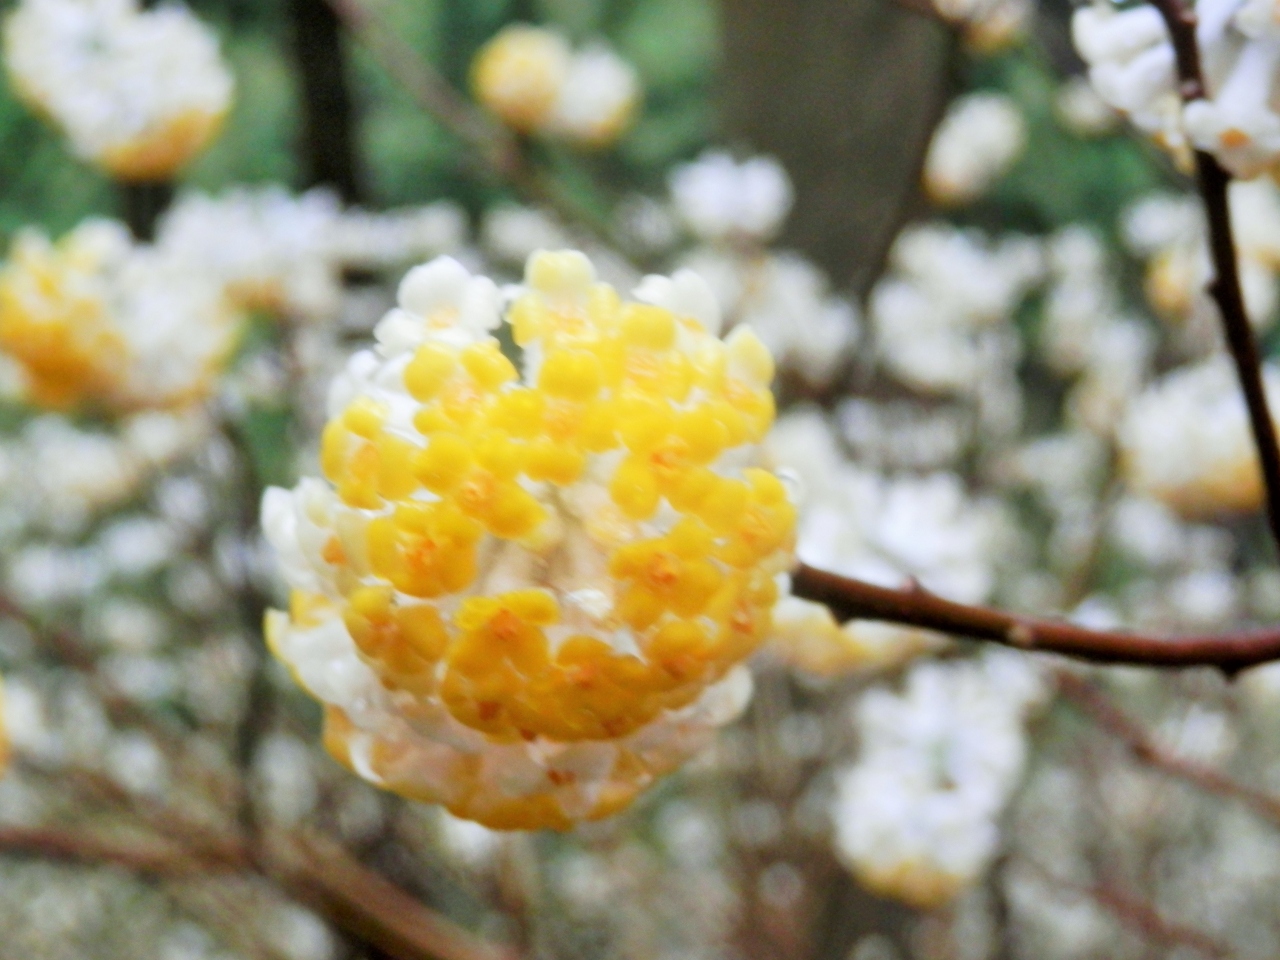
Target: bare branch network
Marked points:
1231	652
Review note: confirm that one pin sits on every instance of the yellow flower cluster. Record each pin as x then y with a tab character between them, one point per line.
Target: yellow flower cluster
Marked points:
97	320
54	322
565	559
534	82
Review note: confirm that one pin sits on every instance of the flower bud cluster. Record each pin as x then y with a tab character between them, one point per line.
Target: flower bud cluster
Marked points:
531	79
979	139
1132	66
137	92
525	598
916	815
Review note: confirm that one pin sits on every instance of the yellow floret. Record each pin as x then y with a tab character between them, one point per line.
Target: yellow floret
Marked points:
487	366
649	327
560	274
572	374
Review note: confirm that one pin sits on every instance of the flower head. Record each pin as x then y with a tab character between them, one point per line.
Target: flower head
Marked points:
1197	409
531	79
981	136
138	92
97	319
722	199
916	816
527	593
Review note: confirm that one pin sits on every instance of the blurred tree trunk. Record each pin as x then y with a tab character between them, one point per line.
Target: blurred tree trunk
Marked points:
846	94
142	204
329	153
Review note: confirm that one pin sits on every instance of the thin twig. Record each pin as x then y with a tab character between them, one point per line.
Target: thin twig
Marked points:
1135	913
151	858
1225	288
321	872
1109	717
500	154
493	144
916	607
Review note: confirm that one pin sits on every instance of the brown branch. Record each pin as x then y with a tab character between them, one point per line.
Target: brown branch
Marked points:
492	144
1225	288
364	903
1135	913
916	607
1109	717
156	859
309	867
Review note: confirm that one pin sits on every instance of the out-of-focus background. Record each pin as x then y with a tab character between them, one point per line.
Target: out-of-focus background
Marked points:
981	276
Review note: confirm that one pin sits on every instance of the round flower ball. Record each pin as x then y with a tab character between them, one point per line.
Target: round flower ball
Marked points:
525	590
534	82
137	92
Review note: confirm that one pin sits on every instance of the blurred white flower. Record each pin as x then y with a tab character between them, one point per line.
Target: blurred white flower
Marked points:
784	298
916	815
720	199
1132	66
139	92
885	529
1186	442
979	139
987	25
1168	231
277	252
98	318
941	314
1081	110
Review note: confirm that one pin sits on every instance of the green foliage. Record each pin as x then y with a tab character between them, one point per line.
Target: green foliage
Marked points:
257	143
40	182
406	156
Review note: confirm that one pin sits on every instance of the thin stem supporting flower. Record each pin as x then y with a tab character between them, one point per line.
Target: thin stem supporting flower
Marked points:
499	153
1225	289
916	607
